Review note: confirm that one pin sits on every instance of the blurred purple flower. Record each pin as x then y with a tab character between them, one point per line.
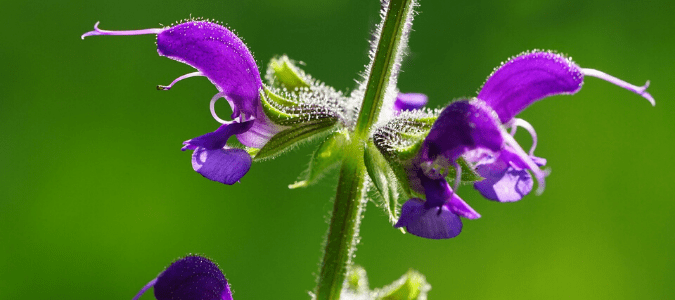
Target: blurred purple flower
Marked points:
219	55
190	278
475	130
409	101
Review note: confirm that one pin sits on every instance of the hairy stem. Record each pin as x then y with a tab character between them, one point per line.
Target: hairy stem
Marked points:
387	58
349	201
344	225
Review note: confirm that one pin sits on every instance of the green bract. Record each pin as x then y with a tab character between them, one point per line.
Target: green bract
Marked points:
384	179
326	157
411	286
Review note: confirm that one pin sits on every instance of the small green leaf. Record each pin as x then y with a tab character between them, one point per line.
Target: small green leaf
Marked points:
286	139
325	158
286	74
412	286
383	178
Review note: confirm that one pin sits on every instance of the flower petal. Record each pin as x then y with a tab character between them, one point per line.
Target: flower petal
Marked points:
410	101
261	132
528	78
220	56
462	126
222	165
217	139
507	178
430	223
192	278
439	193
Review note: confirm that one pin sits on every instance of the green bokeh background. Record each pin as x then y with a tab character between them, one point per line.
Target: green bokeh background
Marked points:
96	198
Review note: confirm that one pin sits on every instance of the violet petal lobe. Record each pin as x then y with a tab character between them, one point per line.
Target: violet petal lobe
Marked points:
219	55
261	132
462	126
226	166
192	278
439	193
217	139
410	101
506	179
430	223
528	78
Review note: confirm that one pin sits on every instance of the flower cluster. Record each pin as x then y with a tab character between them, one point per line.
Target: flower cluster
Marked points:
413	153
476	131
267	119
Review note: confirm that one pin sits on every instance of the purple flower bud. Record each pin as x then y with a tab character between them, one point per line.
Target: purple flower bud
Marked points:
409	101
190	278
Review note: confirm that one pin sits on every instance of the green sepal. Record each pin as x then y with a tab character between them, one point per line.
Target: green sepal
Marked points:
285	74
408	152
286	139
468	173
412	286
384	179
287	112
277	108
326	157
401	138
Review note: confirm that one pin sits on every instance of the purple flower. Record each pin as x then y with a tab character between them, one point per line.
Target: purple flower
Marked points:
190	278
475	130
219	55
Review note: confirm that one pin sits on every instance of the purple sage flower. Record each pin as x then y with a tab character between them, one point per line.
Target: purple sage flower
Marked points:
219	55
190	278
476	130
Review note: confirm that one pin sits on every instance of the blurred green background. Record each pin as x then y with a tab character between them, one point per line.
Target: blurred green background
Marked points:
96	197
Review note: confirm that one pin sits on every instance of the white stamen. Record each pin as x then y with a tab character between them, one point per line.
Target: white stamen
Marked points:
188	75
98	31
640	90
145	288
213	108
538	173
522	123
458	177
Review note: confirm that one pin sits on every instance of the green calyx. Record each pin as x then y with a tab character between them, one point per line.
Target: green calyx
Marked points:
285	140
283	72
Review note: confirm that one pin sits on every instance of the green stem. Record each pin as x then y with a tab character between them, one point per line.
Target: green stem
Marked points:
349	201
344	225
387	55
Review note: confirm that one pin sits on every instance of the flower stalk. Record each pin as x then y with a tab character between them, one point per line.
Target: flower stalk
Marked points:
349	200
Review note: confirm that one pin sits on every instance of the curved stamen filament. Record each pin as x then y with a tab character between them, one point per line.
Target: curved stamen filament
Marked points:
640	90
212	106
538	173
188	75
458	177
145	288
98	31
522	123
